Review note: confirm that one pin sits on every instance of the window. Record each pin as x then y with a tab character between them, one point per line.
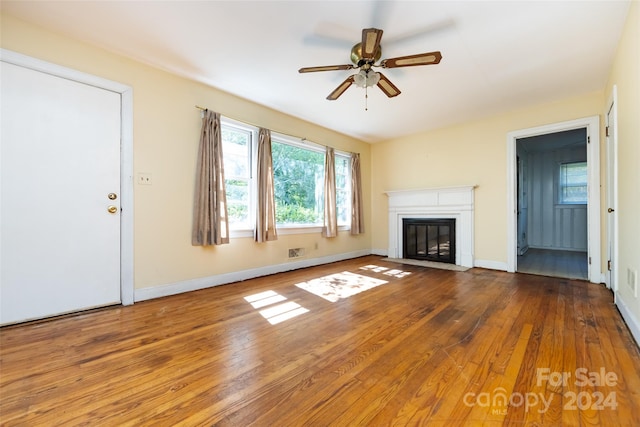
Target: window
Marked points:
343	189
572	188
237	148
298	170
298	175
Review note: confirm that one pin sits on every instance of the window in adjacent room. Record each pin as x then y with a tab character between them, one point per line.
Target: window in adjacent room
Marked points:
572	188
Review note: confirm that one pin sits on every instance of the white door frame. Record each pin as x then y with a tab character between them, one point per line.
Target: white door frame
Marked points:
592	124
612	277
126	154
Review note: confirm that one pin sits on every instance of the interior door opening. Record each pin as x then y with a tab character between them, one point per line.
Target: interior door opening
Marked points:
552	201
560	233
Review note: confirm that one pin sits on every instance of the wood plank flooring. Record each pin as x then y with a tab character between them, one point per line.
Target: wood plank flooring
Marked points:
555	263
417	346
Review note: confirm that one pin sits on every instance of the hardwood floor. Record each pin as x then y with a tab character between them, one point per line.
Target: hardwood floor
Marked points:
547	262
419	346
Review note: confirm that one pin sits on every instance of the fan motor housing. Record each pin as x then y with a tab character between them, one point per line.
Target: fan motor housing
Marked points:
356	55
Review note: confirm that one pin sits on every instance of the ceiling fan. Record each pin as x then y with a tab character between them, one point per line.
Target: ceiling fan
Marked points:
364	56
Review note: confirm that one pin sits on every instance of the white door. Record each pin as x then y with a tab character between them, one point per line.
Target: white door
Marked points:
611	200
60	161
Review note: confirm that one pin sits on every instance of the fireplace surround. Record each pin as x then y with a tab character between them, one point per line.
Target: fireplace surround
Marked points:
456	203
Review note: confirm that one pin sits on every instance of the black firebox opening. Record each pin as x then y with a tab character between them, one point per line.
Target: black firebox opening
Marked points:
429	239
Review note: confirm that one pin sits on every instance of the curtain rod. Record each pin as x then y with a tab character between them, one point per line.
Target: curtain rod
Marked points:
301	138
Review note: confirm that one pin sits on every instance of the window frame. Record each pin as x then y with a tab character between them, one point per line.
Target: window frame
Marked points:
312	146
283	229
247	231
346	225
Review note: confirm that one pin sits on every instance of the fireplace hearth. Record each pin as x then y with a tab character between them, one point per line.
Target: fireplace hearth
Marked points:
431	239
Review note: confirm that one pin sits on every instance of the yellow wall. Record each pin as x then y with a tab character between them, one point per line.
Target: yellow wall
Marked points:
166	128
166	132
466	154
625	74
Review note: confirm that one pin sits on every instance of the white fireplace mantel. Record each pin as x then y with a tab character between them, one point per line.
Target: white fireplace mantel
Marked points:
446	202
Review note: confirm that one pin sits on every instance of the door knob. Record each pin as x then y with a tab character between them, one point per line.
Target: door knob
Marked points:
112	209
610	210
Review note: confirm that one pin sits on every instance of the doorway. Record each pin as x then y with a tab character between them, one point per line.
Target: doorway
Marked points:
591	128
66	229
552	204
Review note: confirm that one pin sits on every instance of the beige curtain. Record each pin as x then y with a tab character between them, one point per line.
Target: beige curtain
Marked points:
357	213
210	224
330	228
266	209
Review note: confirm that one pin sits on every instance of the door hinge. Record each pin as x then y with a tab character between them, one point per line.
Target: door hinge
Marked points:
609	265
589	260
588	140
606	131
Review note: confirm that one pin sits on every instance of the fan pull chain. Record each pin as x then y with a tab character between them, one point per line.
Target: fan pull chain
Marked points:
366	98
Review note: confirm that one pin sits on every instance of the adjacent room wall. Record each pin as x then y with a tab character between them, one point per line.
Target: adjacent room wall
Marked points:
166	133
472	153
625	74
551	225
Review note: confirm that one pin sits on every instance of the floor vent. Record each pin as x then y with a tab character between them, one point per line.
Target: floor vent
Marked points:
296	253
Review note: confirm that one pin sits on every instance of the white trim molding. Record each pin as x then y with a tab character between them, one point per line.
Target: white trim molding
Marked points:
382	252
446	202
490	265
633	323
612	278
592	125
152	292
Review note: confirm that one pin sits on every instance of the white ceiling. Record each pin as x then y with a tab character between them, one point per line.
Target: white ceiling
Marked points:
497	55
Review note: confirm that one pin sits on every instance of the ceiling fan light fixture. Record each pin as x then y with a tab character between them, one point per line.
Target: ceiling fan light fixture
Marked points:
366	78
365	55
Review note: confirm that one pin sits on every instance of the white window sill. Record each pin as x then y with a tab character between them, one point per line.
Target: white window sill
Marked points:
287	229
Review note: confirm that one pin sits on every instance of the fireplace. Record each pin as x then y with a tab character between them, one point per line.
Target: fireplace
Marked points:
448	203
429	239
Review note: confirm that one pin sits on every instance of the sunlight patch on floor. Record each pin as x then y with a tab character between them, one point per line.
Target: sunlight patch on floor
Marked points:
275	313
340	285
388	271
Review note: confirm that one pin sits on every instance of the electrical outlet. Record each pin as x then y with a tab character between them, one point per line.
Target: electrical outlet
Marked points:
144	178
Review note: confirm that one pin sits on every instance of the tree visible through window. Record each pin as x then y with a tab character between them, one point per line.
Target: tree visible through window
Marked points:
298	177
343	189
572	188
236	148
298	170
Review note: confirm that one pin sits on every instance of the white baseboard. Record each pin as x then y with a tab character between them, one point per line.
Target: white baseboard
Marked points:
381	252
629	318
491	265
152	292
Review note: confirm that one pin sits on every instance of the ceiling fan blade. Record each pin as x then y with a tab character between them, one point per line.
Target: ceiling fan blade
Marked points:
326	68
370	42
340	89
387	87
412	60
